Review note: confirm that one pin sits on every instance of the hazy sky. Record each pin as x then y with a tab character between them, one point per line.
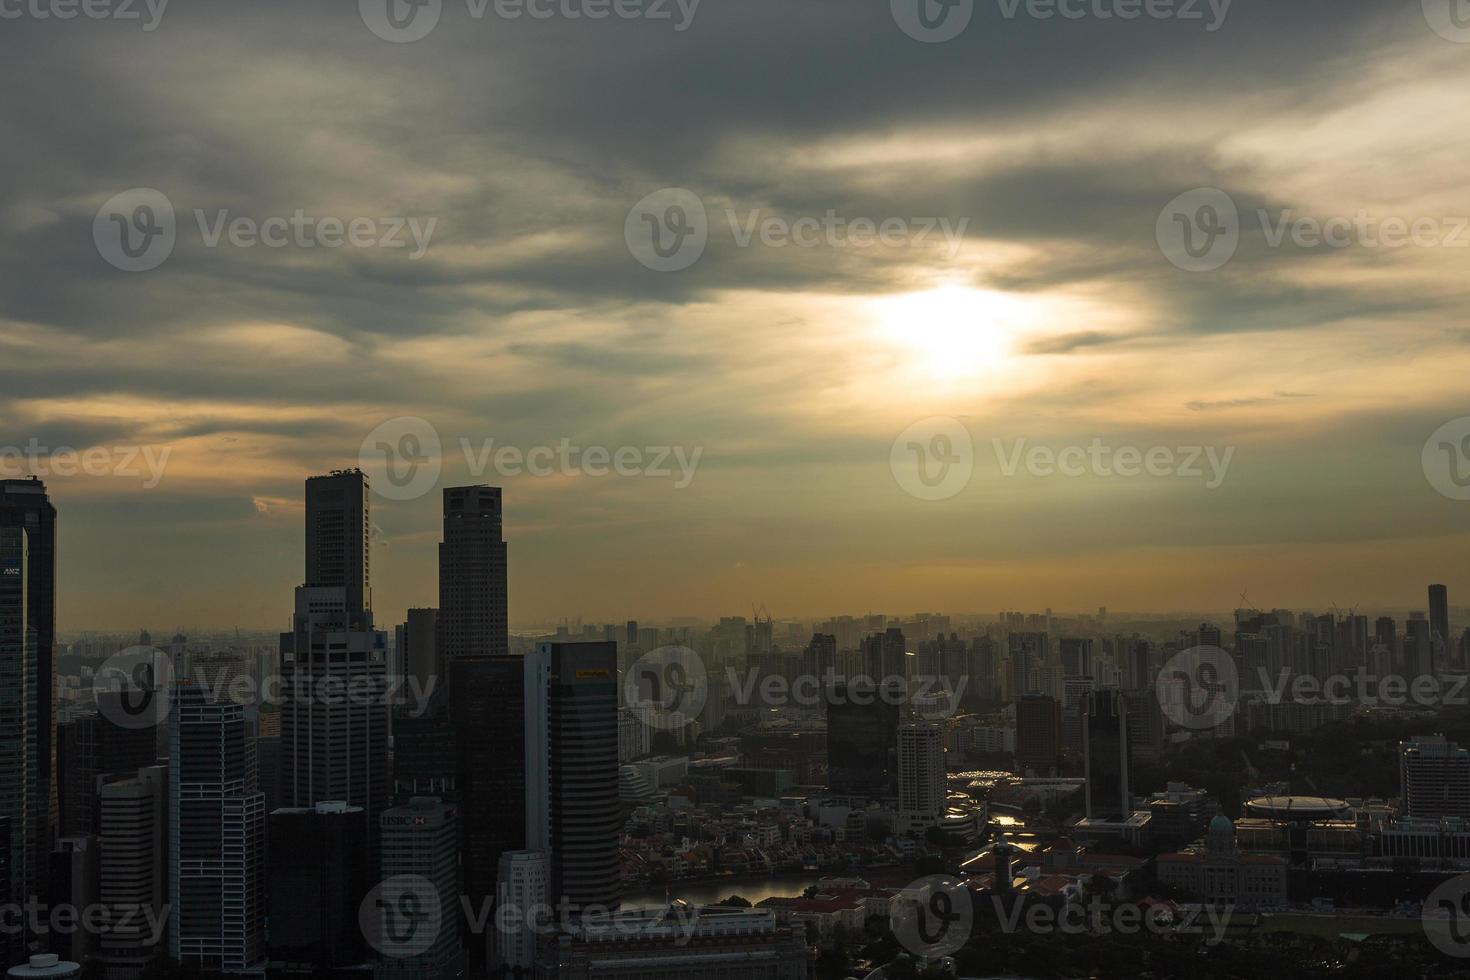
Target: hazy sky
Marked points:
1050	149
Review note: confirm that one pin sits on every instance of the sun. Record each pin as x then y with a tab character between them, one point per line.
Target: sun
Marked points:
955	332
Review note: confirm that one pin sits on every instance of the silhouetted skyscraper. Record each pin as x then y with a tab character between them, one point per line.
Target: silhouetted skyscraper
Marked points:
318	879
572	808
472	576
217	840
334	670
31	509
21	803
885	655
338	530
487	705
862	737
1439	624
821	656
1038	732
1105	752
133	820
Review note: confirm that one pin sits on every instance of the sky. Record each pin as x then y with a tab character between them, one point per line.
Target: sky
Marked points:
1073	262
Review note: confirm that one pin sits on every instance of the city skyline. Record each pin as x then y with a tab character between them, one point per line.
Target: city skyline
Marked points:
1027	298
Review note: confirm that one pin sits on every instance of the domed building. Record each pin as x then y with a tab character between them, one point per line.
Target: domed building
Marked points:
1219	874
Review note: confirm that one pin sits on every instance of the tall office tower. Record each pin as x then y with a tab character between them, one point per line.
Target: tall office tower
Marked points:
1140	671
424	760
921	777
318	881
1207	635
522	888
1105	754
981	663
334	718
338	527
73	882
20	779
133	817
821	656
90	747
862	737
632	633
712	715
1074	691
334	670
1038	733
1419	646
487	705
1439	623
885	655
420	899
1385	632
31	508
216	836
572	769
418	650
472	576
1434	778
1076	657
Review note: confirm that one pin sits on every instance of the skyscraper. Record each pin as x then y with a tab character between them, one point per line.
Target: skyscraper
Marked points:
1439	624
862	737
885	655
133	819
1038	733
821	656
487	704
921	777
572	809
1076	657
472	575
1434	778
334	711
418	652
318	880
217	836
21	804
338	528
1419	646
522	886
420	893
31	508
1105	754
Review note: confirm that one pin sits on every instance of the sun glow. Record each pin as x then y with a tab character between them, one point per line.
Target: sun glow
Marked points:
955	332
